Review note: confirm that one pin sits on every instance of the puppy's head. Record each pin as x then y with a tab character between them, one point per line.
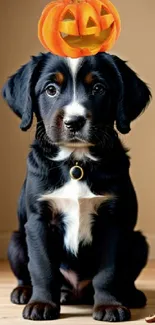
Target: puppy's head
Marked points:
76	101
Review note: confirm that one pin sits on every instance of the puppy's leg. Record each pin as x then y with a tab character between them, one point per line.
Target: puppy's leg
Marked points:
134	261
17	254
18	258
106	305
44	251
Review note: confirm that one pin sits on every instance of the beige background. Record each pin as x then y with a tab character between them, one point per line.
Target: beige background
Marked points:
18	36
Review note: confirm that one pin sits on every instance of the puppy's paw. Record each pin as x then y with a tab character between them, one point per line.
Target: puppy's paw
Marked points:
111	313
21	295
41	311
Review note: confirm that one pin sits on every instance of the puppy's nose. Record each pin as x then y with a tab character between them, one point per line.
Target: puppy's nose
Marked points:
75	123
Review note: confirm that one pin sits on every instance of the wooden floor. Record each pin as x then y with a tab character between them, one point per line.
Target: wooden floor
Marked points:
11	314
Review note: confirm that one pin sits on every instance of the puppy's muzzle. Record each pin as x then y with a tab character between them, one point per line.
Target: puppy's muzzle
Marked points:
75	123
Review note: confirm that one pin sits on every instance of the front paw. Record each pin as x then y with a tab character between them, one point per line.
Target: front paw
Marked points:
21	295
111	313
41	311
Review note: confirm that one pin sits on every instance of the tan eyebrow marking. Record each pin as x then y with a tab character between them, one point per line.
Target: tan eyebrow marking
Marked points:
59	77
89	78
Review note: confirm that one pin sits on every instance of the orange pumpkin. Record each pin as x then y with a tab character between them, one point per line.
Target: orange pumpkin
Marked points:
77	28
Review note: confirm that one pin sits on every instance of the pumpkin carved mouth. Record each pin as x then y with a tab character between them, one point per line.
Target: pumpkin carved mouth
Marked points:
86	41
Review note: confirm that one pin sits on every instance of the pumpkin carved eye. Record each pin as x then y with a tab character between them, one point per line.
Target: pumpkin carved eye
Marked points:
91	23
77	28
68	16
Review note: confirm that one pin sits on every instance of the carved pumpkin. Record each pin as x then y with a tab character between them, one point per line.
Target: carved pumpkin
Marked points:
77	28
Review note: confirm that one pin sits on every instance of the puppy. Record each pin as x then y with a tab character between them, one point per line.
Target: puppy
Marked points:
77	209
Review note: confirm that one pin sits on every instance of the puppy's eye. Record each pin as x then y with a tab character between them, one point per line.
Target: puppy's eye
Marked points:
98	89
52	90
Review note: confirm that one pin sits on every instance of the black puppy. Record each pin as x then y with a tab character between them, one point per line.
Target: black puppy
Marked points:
78	209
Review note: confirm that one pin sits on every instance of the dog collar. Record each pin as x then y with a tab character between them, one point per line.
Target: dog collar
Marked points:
76	172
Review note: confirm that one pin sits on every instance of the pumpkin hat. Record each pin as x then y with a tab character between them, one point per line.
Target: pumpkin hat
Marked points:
78	28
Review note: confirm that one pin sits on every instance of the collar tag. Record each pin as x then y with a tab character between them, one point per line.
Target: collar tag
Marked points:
76	172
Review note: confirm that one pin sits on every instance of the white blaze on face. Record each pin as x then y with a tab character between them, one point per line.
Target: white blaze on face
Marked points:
74	108
74	65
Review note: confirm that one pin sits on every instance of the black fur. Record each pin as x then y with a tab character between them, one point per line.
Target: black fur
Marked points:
36	252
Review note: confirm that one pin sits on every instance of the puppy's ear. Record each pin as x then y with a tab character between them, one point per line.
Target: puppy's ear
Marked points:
19	91
134	98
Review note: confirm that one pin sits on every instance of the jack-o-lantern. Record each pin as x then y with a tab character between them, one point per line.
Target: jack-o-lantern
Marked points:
77	28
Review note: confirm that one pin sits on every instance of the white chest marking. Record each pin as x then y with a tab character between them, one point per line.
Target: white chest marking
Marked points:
78	204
